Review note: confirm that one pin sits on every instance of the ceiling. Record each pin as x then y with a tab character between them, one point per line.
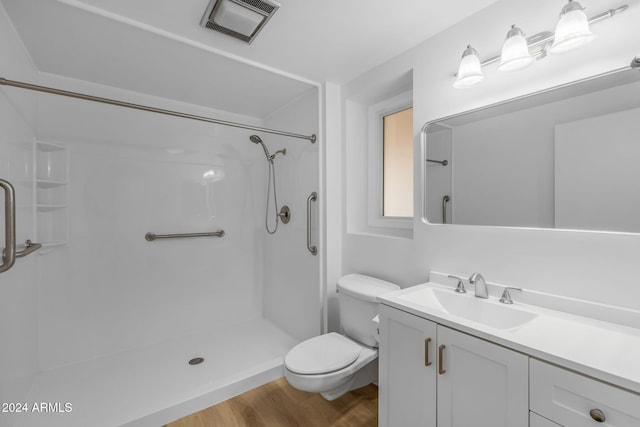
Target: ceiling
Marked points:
158	47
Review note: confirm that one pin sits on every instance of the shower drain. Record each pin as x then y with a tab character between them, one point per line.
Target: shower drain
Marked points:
196	361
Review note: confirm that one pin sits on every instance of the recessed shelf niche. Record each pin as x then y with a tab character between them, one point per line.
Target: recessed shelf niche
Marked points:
51	193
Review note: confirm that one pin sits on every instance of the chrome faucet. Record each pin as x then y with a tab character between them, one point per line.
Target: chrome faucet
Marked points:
478	281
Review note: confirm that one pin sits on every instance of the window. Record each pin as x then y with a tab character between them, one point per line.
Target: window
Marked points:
390	166
367	121
397	179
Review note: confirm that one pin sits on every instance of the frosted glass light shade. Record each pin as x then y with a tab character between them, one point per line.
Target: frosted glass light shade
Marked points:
572	30
515	51
237	18
470	70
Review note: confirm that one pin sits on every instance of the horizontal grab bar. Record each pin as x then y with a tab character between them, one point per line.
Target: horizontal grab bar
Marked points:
150	237
29	247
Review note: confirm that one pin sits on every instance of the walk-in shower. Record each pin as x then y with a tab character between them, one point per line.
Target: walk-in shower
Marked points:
284	214
105	318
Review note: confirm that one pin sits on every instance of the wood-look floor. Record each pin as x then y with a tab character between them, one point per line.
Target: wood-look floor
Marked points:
277	404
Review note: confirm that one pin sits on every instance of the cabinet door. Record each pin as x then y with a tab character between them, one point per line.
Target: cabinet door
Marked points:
483	384
407	357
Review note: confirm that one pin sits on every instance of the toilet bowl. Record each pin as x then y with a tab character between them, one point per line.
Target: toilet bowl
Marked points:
330	364
333	364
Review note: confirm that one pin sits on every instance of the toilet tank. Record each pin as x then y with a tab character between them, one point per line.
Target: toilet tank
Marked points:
358	305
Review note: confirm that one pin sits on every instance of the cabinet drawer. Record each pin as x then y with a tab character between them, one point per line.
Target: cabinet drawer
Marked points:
569	399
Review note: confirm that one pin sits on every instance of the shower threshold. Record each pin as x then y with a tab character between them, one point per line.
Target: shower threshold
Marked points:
154	385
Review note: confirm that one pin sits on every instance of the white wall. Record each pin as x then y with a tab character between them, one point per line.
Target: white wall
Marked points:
332	175
593	266
292	292
109	289
18	295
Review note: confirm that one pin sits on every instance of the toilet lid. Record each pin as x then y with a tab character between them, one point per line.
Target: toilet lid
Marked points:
322	355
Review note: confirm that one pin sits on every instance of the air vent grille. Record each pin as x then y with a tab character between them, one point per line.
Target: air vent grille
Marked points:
261	8
215	27
259	4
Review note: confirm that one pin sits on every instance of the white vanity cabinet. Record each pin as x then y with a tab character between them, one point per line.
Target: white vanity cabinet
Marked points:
431	375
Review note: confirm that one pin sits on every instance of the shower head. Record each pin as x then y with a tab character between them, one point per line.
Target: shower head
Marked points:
257	140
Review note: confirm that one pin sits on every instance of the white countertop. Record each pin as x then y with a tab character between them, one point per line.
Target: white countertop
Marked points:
603	350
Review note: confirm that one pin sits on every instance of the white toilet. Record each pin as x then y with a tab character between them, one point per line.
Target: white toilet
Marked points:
333	364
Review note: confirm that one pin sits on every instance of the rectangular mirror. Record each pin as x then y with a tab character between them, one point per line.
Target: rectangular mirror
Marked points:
568	158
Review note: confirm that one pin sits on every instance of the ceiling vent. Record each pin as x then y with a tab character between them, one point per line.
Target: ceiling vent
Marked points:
242	19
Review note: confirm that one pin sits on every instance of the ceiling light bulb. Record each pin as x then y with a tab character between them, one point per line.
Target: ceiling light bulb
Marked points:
515	51
470	70
572	30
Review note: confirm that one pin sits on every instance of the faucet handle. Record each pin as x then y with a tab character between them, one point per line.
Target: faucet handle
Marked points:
506	296
460	288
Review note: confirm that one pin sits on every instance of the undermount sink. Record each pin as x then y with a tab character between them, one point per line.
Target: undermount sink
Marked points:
467	306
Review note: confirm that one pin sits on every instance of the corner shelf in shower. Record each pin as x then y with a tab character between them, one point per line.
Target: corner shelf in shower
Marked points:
51	193
49	208
45	183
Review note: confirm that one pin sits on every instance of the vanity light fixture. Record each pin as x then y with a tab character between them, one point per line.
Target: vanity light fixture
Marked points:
470	70
519	52
572	30
515	51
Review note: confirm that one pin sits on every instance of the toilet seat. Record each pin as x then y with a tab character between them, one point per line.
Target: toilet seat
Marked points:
322	355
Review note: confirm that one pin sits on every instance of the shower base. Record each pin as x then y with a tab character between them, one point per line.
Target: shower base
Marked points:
154	385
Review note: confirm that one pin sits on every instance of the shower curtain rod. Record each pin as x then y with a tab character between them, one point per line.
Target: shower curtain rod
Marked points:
45	89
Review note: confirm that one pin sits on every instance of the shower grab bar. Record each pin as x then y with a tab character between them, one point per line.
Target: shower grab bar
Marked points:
150	237
9	253
312	198
54	91
442	162
445	199
29	248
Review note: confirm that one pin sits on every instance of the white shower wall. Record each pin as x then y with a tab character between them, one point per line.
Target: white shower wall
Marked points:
110	290
292	274
18	296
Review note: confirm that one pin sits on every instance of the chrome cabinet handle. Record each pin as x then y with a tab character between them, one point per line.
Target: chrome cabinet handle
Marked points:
9	253
441	369
597	415
312	198
427	362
